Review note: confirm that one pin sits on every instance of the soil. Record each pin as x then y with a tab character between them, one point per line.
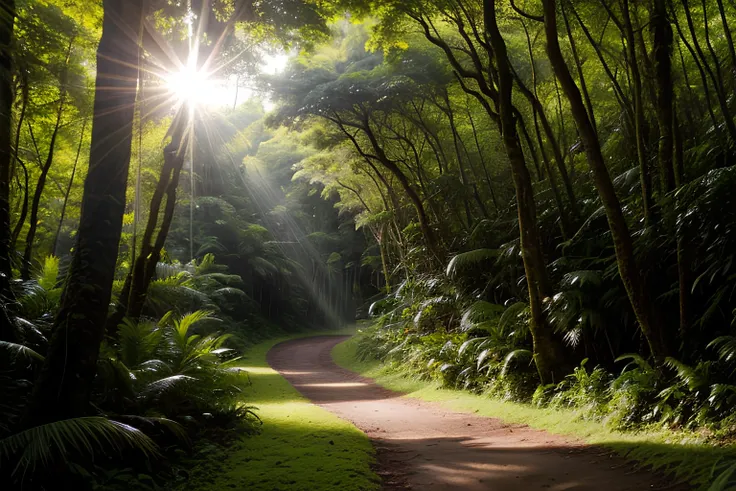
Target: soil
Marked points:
423	446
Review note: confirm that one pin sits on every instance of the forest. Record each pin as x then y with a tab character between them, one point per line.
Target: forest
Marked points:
523	199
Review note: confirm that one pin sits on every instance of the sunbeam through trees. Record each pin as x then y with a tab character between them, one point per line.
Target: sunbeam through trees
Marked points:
530	200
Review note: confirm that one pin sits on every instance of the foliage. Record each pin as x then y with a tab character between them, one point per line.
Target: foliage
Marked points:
321	450
514	212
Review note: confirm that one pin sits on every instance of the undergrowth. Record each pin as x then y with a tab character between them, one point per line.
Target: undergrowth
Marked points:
627	413
300	446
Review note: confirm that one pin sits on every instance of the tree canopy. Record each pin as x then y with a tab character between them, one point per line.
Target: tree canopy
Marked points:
494	182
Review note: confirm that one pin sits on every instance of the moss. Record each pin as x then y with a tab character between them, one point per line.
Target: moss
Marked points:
301	446
682	455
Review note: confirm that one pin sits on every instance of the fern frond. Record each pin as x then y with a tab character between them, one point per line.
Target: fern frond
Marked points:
685	373
726	347
637	360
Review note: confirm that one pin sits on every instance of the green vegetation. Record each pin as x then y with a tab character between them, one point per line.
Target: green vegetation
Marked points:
300	447
148	236
534	197
684	455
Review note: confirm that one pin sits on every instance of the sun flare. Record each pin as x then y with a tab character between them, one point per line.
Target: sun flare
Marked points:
191	86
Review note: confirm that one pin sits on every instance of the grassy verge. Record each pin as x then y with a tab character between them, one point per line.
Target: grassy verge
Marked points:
300	447
681	455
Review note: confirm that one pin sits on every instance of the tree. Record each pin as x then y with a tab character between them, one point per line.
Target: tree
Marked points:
635	284
63	388
547	354
7	20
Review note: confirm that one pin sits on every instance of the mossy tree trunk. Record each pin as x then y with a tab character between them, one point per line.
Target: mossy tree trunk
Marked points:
548	354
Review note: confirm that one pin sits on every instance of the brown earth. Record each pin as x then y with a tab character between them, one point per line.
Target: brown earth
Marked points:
423	446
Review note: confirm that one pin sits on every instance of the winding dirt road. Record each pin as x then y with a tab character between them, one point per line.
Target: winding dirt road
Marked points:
422	446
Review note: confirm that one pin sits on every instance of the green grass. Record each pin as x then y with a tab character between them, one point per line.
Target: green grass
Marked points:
682	455
301	446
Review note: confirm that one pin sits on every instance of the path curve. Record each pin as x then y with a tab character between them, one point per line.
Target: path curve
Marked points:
422	446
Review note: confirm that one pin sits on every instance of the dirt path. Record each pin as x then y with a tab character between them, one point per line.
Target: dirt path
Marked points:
422	446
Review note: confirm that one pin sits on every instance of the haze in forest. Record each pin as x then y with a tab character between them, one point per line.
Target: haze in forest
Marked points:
528	200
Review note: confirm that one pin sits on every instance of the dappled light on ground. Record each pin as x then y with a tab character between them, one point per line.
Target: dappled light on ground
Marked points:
301	447
422	445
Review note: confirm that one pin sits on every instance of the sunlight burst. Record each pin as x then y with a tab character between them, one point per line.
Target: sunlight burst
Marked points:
191	86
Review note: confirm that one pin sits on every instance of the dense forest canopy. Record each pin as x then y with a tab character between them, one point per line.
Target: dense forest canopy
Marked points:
512	188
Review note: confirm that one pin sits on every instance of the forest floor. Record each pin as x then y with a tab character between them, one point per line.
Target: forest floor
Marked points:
300	446
424	445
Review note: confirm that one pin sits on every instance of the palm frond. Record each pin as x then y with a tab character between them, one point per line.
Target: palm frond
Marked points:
513	315
513	356
470	259
637	360
479	312
156	388
172	426
137	341
580	279
15	349
85	436
229	291
726	347
49	273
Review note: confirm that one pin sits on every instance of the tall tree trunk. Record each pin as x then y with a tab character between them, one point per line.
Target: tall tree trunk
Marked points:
684	268
482	159
150	254
384	258
701	71
714	76
533	98
41	183
25	93
547	353
621	97
69	189
662	50
63	387
521	123
458	152
579	68
634	283
406	186
26	195
639	116
729	36
16	160
7	21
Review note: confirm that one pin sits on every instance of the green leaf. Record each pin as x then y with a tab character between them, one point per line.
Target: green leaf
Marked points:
89	435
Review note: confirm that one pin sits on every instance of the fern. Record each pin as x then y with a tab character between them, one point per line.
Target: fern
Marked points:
513	315
637	360
49	273
726	347
686	374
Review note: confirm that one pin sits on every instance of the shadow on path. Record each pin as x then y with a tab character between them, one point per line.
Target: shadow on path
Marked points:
423	446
